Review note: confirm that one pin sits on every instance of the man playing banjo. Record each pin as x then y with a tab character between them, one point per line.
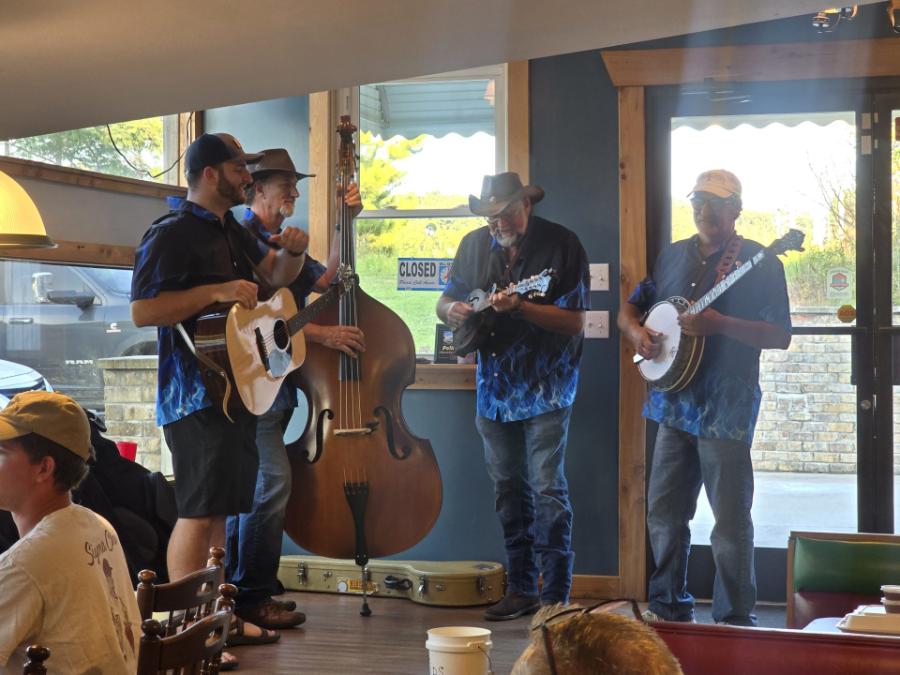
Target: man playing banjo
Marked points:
706	427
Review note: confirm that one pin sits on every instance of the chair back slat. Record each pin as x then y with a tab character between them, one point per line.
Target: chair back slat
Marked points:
196	650
184	600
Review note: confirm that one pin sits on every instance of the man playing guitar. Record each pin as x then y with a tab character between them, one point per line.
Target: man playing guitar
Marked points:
706	428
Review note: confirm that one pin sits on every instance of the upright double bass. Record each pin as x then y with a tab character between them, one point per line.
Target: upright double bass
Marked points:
363	484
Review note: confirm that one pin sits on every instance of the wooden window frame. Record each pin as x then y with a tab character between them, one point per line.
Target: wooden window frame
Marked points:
190	125
323	108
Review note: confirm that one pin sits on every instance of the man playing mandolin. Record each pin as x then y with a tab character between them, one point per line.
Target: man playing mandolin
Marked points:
526	380
254	538
706	427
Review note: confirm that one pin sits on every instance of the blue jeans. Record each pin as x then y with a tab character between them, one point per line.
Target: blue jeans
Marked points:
682	463
526	461
253	540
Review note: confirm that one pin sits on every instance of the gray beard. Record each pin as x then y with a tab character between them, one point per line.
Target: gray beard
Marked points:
286	210
507	241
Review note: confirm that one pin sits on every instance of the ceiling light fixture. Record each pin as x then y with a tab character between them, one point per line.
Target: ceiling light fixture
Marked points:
21	225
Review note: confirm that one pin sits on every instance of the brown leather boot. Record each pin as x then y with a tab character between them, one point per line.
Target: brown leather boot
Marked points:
270	614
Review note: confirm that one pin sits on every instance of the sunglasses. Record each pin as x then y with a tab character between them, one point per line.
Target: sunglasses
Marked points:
570	613
697	203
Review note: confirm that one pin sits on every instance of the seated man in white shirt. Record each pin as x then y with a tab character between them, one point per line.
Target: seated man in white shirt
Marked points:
64	584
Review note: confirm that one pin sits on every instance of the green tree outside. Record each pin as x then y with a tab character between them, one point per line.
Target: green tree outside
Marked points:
141	141
381	241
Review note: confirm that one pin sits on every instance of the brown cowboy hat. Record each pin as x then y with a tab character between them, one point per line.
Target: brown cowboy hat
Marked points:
498	191
275	160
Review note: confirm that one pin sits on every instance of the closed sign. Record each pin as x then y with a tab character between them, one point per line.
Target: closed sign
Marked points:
423	274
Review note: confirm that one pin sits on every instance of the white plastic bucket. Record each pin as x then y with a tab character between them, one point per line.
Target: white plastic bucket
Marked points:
459	650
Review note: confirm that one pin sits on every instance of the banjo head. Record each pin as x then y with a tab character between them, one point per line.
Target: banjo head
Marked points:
663	318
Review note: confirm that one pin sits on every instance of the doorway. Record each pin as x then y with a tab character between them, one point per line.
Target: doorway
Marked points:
823	159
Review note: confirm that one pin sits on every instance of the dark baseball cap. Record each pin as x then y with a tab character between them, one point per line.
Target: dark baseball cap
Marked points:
213	149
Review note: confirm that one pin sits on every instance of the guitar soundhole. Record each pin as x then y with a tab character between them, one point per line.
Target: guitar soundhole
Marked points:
281	335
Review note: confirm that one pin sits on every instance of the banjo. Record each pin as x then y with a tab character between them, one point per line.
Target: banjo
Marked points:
678	359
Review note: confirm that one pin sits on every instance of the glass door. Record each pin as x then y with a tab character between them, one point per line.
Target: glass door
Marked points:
805	446
804	155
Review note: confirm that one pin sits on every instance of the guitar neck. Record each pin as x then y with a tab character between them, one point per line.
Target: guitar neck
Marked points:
713	294
310	312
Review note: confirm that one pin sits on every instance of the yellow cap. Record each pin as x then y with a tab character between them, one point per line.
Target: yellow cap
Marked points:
719	182
53	416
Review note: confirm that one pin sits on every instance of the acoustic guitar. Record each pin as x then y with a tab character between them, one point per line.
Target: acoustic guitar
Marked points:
680	356
245	354
469	336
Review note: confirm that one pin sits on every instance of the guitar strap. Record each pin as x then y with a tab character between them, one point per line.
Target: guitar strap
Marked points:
723	267
729	256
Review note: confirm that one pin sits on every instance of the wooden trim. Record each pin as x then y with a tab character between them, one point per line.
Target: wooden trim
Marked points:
25	168
755	63
322	147
633	268
444	376
190	126
80	253
789	592
599	587
518	150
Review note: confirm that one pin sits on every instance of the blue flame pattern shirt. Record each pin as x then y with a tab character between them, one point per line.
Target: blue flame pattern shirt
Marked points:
188	247
523	370
723	399
301	287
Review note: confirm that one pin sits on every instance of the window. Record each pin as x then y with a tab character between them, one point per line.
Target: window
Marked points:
148	147
424	145
59	320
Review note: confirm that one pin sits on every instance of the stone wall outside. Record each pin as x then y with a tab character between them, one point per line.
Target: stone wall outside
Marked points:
129	392
807	421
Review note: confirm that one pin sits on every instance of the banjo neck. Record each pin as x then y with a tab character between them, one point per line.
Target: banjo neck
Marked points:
713	294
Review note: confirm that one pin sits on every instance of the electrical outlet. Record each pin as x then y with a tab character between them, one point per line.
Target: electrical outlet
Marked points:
599	276
596	324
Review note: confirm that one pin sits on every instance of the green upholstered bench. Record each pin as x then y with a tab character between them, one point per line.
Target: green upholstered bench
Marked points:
831	573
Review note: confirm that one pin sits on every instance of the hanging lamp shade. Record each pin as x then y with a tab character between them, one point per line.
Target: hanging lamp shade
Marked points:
20	223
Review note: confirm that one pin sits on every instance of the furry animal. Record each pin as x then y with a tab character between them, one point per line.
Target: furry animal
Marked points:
598	643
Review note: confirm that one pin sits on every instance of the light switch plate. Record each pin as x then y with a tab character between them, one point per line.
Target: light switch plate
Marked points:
599	276
596	324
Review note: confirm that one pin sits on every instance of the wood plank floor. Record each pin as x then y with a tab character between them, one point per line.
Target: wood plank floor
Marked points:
336	639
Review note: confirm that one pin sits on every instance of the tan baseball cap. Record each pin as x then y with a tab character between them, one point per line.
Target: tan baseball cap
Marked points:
53	416
719	182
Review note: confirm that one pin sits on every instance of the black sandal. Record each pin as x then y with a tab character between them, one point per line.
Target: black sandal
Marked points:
237	636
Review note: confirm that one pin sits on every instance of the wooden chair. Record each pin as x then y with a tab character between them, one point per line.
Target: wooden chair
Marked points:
187	599
35	663
195	650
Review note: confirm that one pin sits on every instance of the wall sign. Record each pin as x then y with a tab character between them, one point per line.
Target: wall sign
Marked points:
423	274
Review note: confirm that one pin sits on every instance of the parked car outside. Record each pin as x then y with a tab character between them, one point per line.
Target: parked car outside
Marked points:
61	319
16	378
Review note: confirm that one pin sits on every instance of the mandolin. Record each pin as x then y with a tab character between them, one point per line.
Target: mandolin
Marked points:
469	336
